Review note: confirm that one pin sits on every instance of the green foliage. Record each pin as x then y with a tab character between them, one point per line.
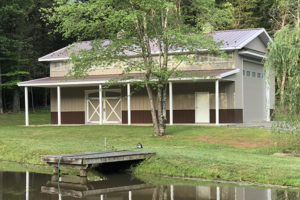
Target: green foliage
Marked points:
207	15
122	24
283	59
284	12
250	13
15	73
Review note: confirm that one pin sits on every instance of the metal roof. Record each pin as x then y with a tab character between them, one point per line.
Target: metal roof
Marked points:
100	79
239	38
231	40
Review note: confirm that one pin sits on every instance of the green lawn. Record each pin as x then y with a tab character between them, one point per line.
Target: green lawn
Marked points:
227	153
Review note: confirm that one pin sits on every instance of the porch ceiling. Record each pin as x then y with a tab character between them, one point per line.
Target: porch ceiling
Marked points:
101	79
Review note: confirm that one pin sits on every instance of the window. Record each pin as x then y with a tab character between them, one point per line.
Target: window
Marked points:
253	74
258	75
244	73
248	73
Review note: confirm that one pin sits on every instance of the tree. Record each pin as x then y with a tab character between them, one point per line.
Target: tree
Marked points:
284	12
1	93
15	45
23	39
117	27
208	13
283	58
250	13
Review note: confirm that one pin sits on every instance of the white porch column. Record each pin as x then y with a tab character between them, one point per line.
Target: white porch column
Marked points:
218	193
129	195
26	107
217	101
171	102
172	192
128	104
100	105
27	185
58	106
269	194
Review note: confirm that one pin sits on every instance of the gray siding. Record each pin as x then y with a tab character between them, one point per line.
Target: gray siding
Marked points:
257	45
238	78
254	92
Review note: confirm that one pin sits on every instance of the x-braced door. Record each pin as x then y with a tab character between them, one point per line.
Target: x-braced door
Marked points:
93	115
112	110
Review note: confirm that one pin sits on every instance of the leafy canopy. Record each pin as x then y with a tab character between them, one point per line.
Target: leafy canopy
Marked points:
130	26
283	59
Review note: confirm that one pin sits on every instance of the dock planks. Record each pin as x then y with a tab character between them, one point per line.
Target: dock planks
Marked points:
86	159
98	157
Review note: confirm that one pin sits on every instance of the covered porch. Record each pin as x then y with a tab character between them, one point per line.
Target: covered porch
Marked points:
190	100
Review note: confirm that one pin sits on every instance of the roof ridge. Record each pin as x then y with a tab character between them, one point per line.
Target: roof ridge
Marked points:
243	29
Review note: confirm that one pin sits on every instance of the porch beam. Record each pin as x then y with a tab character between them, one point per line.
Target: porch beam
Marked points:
26	106
128	104
217	101
171	102
100	105
58	106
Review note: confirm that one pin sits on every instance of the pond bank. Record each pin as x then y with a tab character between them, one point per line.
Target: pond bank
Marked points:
94	174
218	153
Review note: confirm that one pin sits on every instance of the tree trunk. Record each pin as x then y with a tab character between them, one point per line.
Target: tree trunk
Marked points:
160	193
159	111
298	16
163	90
1	99
282	88
153	111
155	191
16	101
162	109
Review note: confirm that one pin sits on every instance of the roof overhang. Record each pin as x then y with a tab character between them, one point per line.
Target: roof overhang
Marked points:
252	54
94	80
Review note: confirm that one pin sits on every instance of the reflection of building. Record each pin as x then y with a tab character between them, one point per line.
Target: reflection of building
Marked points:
21	186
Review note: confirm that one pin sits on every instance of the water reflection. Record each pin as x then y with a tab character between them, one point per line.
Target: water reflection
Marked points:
33	186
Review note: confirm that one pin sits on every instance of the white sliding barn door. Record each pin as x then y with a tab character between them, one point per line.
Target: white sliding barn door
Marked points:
112	110
202	107
93	110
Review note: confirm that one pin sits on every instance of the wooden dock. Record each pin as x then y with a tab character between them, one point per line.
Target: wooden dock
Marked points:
85	160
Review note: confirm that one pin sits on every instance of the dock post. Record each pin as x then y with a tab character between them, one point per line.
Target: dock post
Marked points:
55	169
83	171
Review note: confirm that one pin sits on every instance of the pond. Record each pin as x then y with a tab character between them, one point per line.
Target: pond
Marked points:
37	186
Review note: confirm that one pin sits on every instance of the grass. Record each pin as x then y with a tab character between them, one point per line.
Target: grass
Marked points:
226	153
